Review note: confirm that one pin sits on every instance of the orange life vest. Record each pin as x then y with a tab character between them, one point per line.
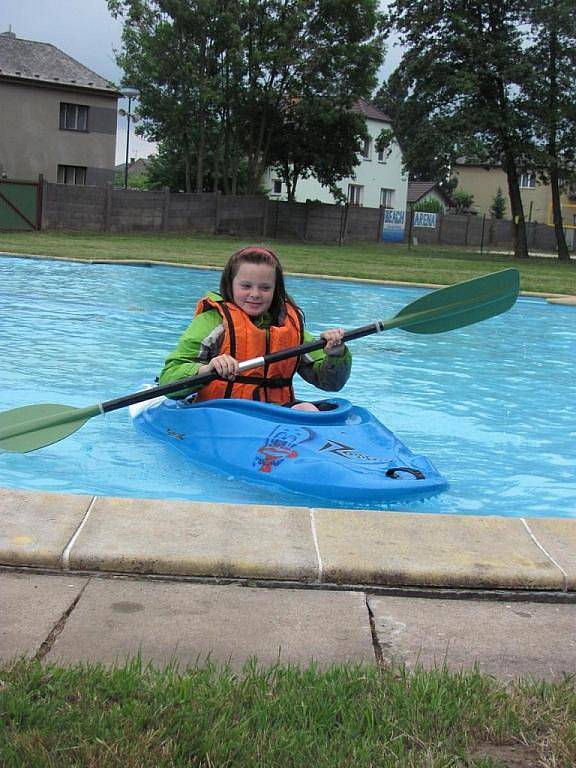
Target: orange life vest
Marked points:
272	382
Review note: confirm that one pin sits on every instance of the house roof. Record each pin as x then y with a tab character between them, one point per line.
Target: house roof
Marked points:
135	167
472	162
370	111
417	190
28	60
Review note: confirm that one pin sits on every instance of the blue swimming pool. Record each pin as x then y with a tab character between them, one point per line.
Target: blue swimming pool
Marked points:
492	405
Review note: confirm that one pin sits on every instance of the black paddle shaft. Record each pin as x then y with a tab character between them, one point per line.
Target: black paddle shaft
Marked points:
204	378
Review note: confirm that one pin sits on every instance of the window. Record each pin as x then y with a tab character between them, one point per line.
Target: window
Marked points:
528	180
276	187
71	174
386	197
73	117
367	149
381	155
355	194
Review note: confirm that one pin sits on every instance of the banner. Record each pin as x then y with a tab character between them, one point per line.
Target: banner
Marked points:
393	225
422	219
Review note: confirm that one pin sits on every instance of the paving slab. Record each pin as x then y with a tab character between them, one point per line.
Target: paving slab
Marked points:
390	549
35	527
507	640
31	605
189	623
558	537
197	539
569	301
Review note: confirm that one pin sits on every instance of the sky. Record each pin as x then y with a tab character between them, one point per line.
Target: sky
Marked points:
85	30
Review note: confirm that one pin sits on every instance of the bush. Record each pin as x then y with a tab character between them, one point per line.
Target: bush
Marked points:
429	205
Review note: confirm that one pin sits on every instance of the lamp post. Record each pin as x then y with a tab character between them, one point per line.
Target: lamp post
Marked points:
129	93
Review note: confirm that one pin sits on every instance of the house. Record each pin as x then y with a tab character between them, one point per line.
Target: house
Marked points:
379	179
137	171
58	118
484	179
418	191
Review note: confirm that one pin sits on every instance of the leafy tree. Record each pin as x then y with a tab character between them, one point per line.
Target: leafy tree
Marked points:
171	52
498	207
550	100
318	139
456	91
165	169
217	78
426	139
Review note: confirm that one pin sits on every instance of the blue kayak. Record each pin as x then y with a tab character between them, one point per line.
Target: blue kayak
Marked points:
343	454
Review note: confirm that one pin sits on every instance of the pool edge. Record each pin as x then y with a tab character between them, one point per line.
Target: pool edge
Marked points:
307	546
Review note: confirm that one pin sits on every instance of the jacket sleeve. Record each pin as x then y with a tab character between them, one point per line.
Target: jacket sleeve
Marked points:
199	343
324	371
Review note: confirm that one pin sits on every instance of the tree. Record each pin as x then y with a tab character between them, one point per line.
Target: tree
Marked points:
550	100
429	205
498	207
457	89
171	52
427	141
462	201
218	78
317	139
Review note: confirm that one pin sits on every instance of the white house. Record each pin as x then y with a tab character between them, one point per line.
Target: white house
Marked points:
379	179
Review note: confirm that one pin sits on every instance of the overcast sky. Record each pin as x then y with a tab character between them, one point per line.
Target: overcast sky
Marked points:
85	30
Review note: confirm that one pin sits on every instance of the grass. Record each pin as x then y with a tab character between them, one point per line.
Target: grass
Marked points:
439	265
211	717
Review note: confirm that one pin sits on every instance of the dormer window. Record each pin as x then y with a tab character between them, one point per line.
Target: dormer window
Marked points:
73	117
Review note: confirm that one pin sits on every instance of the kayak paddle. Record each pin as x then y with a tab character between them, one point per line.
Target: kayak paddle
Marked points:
36	426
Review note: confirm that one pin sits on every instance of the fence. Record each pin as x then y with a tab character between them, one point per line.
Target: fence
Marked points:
104	209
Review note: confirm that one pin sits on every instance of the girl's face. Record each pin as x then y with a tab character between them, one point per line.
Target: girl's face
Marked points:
253	288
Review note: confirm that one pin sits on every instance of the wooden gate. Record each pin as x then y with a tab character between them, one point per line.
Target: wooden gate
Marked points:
20	204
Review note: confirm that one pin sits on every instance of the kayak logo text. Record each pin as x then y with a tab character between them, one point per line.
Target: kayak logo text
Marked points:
348	452
280	445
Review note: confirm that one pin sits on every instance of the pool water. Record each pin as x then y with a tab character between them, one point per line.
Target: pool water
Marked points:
492	405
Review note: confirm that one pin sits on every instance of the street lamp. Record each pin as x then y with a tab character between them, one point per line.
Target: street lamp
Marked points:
129	93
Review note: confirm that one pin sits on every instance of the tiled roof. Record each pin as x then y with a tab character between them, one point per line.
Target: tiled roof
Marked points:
370	111
43	62
419	189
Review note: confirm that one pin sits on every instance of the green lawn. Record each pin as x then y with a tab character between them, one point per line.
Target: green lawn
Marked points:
343	717
421	264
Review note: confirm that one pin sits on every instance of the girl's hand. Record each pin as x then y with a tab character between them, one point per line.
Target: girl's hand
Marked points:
225	366
334	342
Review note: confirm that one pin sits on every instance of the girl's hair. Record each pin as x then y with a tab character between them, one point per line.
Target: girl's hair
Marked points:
254	254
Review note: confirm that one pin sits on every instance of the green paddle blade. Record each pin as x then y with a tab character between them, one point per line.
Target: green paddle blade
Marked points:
34	426
458	305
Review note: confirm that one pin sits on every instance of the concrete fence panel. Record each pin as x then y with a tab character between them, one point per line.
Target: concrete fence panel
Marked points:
104	209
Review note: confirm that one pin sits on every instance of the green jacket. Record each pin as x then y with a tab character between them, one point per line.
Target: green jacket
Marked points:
202	341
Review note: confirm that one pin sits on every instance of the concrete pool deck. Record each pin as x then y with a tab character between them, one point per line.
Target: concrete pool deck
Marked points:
98	579
322	548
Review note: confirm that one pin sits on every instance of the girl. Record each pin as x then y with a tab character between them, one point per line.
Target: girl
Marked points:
252	316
